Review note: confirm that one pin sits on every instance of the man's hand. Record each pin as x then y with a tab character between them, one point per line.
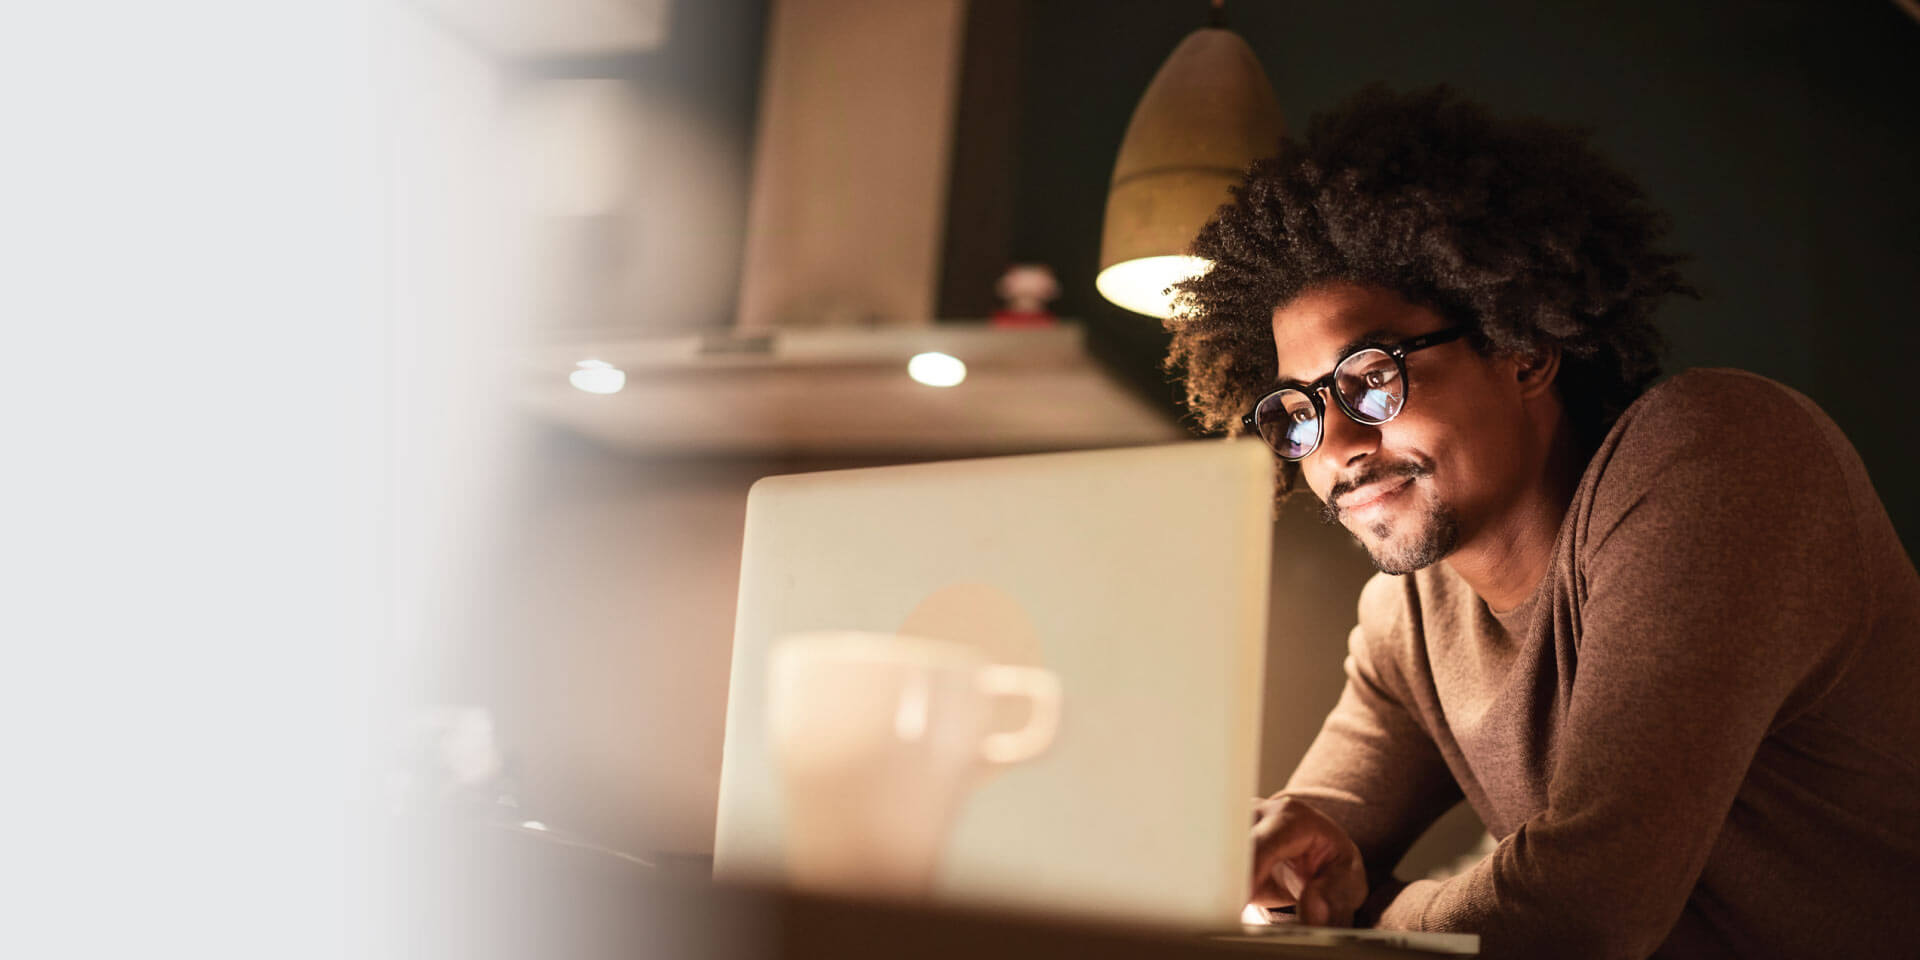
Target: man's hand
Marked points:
1302	858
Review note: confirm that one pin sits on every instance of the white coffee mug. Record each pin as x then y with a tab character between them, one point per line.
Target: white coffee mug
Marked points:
878	738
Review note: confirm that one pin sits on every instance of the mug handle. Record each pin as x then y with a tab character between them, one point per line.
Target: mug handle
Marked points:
1042	690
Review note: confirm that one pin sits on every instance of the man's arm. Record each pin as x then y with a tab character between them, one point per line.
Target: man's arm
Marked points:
1720	599
1373	770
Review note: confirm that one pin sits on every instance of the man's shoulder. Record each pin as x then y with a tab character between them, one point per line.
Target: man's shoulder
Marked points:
1746	430
1715	457
1717	406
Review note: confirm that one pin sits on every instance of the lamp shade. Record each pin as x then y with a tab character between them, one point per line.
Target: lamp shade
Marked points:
1208	113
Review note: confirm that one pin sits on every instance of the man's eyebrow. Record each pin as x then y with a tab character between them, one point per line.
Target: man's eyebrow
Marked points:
1378	337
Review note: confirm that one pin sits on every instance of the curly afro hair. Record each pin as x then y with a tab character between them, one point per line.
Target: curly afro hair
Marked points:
1518	229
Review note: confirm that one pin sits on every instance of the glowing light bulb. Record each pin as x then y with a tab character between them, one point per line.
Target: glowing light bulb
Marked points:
937	369
1141	285
598	376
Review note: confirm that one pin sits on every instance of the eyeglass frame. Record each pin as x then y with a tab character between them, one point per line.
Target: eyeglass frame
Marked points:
1398	351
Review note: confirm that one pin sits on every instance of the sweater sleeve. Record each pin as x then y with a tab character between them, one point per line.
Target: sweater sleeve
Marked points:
1721	585
1373	769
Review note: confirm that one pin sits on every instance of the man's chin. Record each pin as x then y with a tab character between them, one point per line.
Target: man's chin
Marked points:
1377	534
1397	552
1400	562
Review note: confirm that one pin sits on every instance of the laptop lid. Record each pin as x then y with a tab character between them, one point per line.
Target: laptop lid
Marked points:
1139	576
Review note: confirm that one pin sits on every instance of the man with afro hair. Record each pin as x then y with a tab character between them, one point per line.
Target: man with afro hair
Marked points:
1661	636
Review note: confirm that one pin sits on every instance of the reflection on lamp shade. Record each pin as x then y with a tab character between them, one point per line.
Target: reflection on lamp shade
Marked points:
1207	114
1141	284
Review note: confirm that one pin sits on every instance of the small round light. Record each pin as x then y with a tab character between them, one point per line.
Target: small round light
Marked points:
534	825
598	376
937	369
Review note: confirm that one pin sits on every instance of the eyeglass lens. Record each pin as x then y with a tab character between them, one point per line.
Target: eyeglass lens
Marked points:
1289	422
1369	386
1369	382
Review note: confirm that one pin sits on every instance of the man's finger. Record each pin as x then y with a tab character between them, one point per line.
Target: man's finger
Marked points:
1335	896
1278	840
1276	887
1313	907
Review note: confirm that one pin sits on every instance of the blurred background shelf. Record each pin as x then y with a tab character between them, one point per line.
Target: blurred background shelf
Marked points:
843	392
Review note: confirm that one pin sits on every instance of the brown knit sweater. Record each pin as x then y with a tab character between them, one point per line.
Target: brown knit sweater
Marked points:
1700	736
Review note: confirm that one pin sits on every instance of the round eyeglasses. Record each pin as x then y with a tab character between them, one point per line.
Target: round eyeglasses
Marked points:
1369	383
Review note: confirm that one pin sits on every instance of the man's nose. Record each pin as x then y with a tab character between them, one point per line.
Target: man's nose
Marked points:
1343	440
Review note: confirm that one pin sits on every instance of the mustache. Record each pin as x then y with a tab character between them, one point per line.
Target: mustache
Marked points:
1413	469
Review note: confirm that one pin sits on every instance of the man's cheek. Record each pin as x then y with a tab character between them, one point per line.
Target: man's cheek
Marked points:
1315	483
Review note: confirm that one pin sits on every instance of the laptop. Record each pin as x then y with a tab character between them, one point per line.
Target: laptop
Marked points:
1139	576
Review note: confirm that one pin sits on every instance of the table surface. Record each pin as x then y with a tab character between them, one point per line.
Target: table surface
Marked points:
485	894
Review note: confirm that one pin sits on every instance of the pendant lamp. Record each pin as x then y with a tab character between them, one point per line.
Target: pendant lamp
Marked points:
1208	113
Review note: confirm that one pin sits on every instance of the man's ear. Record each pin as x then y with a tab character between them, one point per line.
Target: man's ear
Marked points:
1535	371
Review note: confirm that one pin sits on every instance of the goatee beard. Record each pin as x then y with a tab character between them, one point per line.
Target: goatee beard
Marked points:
1438	534
1437	530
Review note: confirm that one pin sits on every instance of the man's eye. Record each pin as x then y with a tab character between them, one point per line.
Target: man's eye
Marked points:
1302	416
